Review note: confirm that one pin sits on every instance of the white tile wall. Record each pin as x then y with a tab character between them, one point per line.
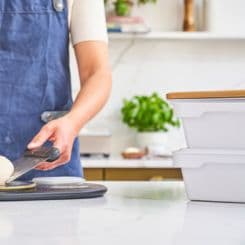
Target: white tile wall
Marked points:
142	67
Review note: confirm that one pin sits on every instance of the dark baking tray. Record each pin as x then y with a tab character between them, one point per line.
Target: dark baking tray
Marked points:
86	190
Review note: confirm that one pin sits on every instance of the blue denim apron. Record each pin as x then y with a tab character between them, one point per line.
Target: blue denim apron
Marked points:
34	75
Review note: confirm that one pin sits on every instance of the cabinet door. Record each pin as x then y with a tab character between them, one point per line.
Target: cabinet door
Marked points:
93	173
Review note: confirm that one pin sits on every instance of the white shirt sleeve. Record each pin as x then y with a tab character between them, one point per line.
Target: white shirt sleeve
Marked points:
87	21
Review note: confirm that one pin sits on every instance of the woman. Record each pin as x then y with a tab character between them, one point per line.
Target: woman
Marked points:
34	77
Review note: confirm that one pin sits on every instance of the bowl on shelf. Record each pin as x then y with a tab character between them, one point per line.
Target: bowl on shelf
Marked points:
134	153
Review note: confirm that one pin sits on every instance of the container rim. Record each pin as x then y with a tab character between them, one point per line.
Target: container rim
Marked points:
195	158
209	151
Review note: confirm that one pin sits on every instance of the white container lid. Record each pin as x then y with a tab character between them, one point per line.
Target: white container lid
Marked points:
195	104
207	94
196	158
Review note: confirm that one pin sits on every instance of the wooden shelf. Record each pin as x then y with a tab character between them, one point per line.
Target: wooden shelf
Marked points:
158	35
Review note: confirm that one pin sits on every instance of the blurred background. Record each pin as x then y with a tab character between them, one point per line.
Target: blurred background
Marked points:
159	46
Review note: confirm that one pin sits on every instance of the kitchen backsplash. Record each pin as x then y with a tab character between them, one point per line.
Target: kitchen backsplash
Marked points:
144	66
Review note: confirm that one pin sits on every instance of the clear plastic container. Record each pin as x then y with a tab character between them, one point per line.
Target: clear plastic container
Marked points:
212	119
212	175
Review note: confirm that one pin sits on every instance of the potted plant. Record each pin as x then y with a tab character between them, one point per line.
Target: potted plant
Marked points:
123	7
151	116
146	1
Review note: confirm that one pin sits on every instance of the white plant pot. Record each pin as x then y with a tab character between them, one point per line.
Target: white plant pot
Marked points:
156	142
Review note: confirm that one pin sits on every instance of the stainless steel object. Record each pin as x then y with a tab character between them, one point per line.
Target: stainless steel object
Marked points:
31	159
95	142
48	116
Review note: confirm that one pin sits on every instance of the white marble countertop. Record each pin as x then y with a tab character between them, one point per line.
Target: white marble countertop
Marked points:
130	213
119	162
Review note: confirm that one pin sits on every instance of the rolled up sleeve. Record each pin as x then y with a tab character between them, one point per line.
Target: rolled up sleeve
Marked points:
88	22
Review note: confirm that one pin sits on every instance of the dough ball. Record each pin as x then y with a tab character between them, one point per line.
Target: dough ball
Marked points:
6	169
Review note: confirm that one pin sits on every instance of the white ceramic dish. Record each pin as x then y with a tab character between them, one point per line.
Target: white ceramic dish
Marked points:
213	175
54	181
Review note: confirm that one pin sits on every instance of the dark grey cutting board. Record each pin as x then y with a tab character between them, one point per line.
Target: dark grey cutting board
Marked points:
50	193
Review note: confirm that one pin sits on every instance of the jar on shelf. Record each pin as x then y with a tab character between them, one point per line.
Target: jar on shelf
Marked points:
189	24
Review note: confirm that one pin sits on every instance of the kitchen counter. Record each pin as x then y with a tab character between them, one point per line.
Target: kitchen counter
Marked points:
119	162
130	213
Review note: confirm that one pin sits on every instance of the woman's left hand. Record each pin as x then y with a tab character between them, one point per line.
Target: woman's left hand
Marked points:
62	134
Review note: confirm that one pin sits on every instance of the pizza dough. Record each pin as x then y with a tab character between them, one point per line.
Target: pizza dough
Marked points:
6	169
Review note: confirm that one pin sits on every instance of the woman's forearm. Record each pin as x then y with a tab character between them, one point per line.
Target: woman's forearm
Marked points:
95	78
91	98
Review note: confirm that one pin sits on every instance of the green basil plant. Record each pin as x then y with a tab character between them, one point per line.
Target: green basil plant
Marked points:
148	114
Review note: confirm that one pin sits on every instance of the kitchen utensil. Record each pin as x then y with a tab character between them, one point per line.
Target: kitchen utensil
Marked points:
31	159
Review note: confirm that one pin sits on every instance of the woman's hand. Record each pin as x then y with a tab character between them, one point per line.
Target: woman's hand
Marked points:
95	79
62	133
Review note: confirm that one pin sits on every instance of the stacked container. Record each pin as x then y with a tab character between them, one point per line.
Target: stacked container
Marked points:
213	165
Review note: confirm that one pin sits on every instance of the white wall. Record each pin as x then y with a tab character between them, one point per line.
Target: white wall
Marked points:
144	66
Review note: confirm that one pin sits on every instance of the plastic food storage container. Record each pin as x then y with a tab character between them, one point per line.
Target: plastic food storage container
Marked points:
212	175
214	119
